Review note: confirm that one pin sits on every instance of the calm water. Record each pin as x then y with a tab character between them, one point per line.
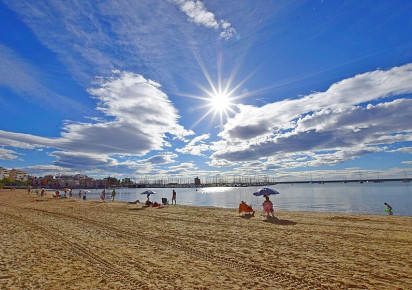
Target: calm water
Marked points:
366	198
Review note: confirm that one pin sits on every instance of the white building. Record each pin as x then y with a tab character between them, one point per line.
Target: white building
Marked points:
16	174
4	173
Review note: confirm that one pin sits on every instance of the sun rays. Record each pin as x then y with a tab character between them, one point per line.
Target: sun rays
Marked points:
220	98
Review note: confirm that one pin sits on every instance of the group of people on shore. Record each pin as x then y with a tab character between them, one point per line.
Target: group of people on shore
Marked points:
267	208
103	195
243	207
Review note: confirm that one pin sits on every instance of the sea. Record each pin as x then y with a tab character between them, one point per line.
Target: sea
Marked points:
351	197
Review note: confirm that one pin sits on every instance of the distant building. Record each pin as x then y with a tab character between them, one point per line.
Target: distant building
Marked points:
197	181
19	175
4	173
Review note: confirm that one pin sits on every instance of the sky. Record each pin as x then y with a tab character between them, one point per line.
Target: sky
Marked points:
175	89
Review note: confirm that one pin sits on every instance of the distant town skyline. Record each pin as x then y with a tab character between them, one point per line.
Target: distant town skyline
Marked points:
180	89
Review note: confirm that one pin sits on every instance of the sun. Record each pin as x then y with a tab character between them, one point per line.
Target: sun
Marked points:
220	102
220	96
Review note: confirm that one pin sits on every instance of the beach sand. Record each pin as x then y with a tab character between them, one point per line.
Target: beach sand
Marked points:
47	243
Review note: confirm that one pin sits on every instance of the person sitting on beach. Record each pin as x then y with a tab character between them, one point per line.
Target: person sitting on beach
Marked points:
245	208
148	202
388	209
57	194
268	207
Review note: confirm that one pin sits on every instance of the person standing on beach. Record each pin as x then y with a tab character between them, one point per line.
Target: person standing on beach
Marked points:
113	194
80	194
174	196
103	195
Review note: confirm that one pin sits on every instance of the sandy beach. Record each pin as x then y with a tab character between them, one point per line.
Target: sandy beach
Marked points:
47	243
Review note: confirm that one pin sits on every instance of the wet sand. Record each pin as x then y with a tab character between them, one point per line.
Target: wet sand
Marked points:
47	243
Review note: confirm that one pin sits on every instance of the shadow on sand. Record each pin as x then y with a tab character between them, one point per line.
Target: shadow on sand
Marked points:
276	221
38	200
247	216
138	208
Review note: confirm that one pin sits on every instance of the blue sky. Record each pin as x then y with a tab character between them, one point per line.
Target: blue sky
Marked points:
174	89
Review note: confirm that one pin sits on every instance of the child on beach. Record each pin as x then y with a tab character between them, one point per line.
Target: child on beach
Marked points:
388	209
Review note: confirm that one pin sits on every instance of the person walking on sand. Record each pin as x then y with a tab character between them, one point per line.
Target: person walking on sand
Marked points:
113	194
388	208
174	196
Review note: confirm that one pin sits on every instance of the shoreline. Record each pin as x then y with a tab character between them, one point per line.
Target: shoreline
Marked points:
66	244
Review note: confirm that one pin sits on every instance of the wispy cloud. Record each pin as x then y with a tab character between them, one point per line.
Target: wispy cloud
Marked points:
6	154
94	38
24	80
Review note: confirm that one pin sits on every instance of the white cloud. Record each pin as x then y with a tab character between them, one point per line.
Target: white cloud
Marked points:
142	118
403	150
181	169
198	13
196	146
161	159
331	120
6	154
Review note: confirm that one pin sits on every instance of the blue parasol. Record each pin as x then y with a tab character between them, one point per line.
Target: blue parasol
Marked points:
265	191
148	192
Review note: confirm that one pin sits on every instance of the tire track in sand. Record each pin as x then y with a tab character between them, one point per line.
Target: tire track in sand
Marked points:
106	267
282	278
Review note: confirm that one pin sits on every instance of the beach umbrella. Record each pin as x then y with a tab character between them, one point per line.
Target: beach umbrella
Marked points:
148	192
265	191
